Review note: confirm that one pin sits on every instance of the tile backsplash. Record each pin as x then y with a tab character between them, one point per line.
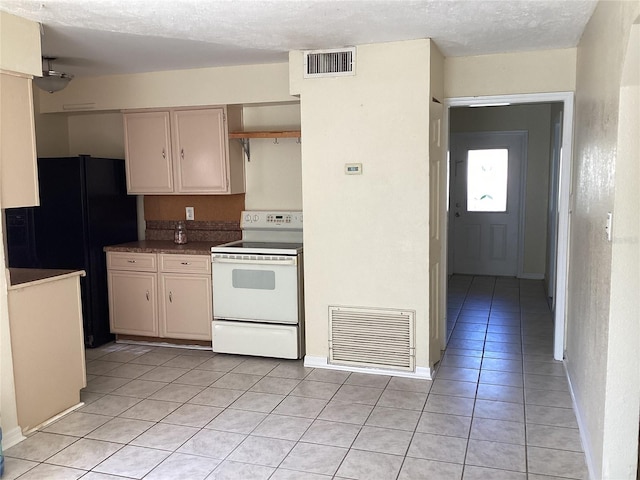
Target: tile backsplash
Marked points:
197	231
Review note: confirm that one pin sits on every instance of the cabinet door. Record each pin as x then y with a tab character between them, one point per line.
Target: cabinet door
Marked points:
132	303
147	138
186	308
19	182
200	149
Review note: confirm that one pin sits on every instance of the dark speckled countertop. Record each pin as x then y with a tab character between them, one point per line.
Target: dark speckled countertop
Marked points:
19	277
164	246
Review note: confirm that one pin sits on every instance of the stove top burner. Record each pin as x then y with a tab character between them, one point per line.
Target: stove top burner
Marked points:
276	245
253	247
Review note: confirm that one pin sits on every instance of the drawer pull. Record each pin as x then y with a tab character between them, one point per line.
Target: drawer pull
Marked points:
131	261
185	263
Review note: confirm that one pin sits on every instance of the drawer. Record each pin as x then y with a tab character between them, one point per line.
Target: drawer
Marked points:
140	262
185	263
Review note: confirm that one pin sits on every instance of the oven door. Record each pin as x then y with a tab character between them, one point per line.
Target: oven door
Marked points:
256	288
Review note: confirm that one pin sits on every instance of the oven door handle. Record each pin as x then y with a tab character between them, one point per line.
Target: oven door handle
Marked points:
287	261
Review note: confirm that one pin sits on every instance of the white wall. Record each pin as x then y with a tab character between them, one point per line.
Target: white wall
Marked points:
510	73
535	119
593	336
274	174
367	236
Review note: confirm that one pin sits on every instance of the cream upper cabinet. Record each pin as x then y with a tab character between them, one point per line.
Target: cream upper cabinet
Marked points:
148	152
19	173
183	151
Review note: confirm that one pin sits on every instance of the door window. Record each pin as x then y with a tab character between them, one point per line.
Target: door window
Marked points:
487	175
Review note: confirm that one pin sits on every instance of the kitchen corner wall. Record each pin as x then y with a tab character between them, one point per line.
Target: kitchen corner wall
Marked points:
367	236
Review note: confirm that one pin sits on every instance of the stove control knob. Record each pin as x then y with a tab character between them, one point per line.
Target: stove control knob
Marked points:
247	218
256	218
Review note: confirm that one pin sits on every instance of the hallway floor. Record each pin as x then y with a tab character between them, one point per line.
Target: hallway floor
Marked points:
498	409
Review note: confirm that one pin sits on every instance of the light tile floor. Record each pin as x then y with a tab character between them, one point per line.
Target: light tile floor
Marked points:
498	409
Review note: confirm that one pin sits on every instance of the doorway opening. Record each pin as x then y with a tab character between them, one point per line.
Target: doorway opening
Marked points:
543	227
486	184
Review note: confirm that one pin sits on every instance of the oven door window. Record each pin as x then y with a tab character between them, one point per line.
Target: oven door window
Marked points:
253	279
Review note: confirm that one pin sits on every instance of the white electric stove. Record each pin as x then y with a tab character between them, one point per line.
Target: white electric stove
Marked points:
258	293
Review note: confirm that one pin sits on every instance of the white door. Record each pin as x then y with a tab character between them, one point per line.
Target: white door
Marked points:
485	201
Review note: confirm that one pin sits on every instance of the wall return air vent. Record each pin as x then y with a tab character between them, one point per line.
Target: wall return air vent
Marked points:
330	63
372	337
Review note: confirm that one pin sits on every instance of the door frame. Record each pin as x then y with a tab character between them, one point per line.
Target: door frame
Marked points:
564	194
522	181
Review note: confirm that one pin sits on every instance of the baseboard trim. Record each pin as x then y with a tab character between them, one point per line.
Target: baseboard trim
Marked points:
55	418
531	276
12	437
422	373
581	428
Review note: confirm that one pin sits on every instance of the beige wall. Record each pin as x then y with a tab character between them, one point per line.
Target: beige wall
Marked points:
591	345
176	88
274	174
535	119
98	135
19	52
52	134
623	387
19	45
367	236
510	73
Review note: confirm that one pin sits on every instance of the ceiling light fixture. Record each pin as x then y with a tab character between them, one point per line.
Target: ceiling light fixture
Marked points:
51	81
498	104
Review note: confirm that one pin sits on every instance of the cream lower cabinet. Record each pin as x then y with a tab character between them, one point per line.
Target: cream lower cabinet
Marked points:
163	295
186	308
133	304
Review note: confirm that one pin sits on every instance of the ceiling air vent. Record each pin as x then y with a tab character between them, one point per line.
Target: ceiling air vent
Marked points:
330	63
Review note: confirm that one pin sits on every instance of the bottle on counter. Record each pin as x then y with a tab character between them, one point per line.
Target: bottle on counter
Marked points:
180	233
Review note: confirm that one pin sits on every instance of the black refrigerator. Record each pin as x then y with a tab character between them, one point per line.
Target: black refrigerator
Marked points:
84	206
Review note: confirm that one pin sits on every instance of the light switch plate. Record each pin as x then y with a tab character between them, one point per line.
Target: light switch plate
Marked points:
607	228
189	213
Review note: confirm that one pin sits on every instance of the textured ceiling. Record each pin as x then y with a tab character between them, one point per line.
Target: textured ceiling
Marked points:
101	37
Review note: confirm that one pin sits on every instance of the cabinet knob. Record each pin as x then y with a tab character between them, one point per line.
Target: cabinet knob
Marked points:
182	153
147	295
164	154
171	297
